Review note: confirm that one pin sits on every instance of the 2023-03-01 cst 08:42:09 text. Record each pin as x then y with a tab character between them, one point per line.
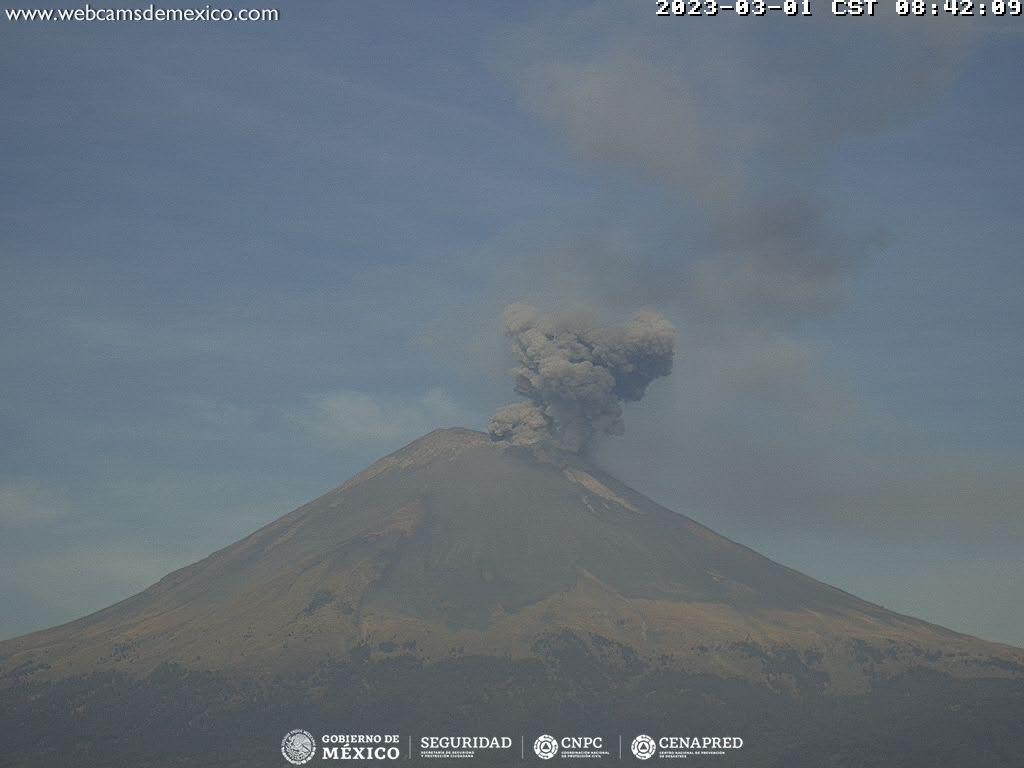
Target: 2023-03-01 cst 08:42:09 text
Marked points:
840	8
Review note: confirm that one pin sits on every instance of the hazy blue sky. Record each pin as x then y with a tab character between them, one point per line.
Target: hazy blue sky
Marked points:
238	262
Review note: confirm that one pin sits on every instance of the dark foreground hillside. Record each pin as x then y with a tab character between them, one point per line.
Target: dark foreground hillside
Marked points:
180	717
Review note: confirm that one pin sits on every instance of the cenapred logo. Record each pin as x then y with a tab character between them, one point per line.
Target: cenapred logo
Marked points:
298	746
546	747
644	747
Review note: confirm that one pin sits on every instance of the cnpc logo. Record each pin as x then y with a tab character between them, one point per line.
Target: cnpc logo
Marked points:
545	747
548	746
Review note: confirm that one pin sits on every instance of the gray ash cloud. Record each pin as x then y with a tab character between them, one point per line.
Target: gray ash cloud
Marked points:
577	374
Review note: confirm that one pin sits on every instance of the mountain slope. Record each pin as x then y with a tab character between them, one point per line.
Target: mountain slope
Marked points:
459	545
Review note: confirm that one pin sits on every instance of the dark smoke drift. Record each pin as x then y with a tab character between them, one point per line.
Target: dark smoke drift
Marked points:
577	375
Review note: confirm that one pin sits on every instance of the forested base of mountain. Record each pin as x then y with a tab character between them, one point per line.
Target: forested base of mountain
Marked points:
180	717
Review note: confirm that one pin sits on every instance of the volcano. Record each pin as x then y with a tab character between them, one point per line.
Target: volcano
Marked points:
461	556
456	543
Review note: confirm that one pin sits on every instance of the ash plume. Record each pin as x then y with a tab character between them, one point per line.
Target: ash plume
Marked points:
577	375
